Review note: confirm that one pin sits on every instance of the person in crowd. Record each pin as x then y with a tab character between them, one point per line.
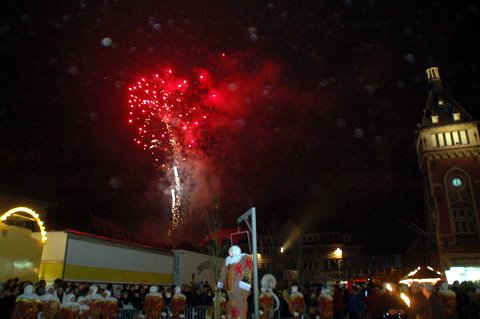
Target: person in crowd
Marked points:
296	302
356	303
57	282
325	304
7	300
49	294
390	304
449	300
136	300
26	304
208	293
469	300
199	297
433	305
95	302
285	310
40	287
178	304
111	305
93	294
417	301
167	295
49	303
83	307
265	303
311	303
372	302
60	293
69	307
338	303
124	301
153	304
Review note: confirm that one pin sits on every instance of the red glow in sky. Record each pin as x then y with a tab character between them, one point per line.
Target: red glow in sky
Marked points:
167	119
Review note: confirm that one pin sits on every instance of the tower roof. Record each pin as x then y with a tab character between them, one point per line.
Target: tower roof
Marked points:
441	108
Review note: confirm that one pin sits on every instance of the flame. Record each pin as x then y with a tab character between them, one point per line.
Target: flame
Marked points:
405	299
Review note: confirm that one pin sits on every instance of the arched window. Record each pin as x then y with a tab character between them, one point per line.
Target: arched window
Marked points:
462	212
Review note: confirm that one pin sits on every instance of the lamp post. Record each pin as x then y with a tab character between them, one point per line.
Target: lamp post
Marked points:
253	228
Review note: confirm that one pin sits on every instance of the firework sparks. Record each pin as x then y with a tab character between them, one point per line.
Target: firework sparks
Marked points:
167	120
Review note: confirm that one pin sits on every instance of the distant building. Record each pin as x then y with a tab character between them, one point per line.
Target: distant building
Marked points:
320	258
448	147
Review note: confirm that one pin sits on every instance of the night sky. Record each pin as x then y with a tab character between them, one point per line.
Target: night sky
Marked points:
315	117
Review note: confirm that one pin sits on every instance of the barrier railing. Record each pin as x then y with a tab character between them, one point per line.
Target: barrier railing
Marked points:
127	313
197	312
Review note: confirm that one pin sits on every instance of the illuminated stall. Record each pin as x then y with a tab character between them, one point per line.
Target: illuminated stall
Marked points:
463	273
423	274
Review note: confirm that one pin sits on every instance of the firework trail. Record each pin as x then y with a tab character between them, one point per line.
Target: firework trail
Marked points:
167	116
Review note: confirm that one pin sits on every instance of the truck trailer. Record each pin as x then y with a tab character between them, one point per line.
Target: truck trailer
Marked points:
192	268
81	257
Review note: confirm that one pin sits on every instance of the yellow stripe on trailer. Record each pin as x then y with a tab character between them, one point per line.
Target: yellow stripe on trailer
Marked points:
49	271
94	274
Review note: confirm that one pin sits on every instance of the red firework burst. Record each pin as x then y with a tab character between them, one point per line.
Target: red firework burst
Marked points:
167	113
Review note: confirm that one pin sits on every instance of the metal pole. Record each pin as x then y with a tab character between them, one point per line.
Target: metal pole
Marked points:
253	228
255	263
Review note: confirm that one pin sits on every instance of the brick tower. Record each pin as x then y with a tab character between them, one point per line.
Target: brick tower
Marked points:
448	147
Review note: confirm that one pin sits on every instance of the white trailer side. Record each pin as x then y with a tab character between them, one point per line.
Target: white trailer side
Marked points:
81	257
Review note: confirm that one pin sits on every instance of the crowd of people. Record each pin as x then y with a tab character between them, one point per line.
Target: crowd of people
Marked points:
84	300
418	301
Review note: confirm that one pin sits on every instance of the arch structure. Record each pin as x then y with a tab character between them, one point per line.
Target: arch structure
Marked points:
31	212
459	193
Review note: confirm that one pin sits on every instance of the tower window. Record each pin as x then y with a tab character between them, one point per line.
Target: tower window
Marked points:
449	138
464	219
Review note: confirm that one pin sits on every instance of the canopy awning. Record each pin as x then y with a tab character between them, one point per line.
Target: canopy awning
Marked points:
422	274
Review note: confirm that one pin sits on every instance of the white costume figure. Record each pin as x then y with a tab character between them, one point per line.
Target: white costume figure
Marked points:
49	294
236	278
83	308
153	291
69	301
325	304
110	308
68	308
153	304
96	302
92	294
267	296
296	302
49	302
178	304
26	304
28	294
107	294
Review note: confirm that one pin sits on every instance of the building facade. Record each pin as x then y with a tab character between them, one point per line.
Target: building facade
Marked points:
321	258
448	148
